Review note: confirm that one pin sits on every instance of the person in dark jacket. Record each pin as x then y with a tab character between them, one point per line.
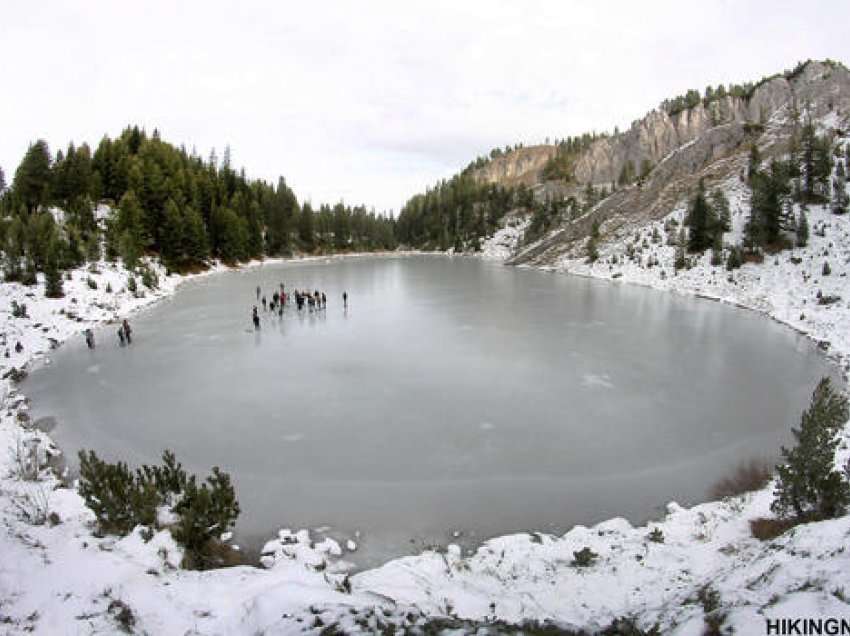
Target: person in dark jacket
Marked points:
128	333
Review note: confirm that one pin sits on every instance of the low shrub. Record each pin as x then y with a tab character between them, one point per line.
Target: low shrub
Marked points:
734	259
91	282
829	299
748	476
584	558
656	536
766	528
122	499
123	615
19	310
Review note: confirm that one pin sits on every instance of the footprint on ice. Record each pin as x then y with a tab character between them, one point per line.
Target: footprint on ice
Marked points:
594	381
486	426
293	437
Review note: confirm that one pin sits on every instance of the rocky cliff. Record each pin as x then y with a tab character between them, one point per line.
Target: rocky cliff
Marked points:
708	141
520	166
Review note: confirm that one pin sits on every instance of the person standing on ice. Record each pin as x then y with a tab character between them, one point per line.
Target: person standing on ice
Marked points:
256	318
121	338
258	292
89	338
128	333
345	300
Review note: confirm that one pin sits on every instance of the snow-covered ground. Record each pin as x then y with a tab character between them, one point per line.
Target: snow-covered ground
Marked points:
786	286
503	244
704	567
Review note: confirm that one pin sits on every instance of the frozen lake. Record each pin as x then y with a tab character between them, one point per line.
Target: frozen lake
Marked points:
453	396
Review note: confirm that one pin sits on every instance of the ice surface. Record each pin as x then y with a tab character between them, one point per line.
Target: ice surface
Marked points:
569	400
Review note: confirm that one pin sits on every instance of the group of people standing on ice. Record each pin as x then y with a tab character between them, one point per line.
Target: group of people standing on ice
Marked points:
315	301
125	335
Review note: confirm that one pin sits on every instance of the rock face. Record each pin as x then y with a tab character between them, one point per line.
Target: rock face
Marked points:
710	142
520	166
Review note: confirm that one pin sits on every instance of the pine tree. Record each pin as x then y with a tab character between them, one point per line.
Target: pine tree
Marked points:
823	168
32	178
840	198
802	230
592	248
733	260
2	181
809	487
808	141
305	227
128	249
195	245
93	252
765	225
717	249
231	235
342	230
722	211
172	240
754	162
700	221
254	226
13	250
52	273
680	261
130	220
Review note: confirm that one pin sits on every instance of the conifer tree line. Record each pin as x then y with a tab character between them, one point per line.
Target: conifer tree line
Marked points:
693	98
456	213
165	201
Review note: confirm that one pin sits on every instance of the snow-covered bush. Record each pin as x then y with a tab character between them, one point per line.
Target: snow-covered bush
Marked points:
122	499
584	558
19	310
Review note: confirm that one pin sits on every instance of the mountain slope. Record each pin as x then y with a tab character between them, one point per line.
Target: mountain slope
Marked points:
710	142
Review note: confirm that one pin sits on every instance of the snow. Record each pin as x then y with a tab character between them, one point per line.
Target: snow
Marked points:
505	240
57	577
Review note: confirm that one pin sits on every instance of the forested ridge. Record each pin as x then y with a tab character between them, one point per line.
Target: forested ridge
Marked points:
162	201
460	211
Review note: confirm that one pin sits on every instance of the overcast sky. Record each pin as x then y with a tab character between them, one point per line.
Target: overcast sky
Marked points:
369	102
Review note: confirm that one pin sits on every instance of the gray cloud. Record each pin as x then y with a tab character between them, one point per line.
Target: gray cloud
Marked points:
372	101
